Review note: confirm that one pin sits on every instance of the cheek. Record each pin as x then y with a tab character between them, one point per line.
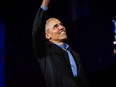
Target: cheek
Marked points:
54	33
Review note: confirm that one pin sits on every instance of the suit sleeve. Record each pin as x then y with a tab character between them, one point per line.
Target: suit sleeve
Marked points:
38	34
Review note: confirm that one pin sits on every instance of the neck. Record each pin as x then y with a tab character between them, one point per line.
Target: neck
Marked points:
61	43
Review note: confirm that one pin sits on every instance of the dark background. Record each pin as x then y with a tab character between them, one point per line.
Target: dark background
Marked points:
90	33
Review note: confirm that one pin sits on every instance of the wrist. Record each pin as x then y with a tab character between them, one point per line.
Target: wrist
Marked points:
45	8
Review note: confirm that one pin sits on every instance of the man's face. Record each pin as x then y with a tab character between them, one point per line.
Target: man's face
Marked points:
56	31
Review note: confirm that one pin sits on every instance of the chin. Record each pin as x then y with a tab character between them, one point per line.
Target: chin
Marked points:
63	39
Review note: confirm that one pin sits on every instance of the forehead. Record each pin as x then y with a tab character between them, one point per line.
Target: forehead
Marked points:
52	22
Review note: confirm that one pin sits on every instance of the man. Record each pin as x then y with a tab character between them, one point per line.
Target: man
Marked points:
60	66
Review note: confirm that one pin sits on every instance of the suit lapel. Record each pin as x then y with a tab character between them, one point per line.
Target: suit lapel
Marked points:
66	57
63	57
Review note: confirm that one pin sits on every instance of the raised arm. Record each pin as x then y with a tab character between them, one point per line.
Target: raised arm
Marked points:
38	31
45	3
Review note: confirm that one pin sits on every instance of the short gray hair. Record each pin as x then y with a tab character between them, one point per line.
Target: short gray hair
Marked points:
47	23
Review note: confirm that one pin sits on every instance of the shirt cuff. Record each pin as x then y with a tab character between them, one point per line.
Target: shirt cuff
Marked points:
44	8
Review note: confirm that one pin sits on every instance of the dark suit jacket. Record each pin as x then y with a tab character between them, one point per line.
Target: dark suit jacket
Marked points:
53	60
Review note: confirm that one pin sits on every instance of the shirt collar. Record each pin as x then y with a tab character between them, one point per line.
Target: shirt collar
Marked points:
65	46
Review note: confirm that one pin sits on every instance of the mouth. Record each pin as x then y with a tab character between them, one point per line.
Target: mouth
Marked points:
62	31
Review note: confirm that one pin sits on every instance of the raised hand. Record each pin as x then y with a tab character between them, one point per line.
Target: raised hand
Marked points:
45	2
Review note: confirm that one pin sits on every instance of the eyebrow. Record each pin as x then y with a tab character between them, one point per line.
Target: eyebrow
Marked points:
57	24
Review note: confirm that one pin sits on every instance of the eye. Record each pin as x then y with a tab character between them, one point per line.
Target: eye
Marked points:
56	26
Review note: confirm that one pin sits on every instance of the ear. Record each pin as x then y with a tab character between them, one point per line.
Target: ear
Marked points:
48	36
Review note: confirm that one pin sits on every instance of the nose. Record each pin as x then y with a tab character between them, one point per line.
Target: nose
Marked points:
61	27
